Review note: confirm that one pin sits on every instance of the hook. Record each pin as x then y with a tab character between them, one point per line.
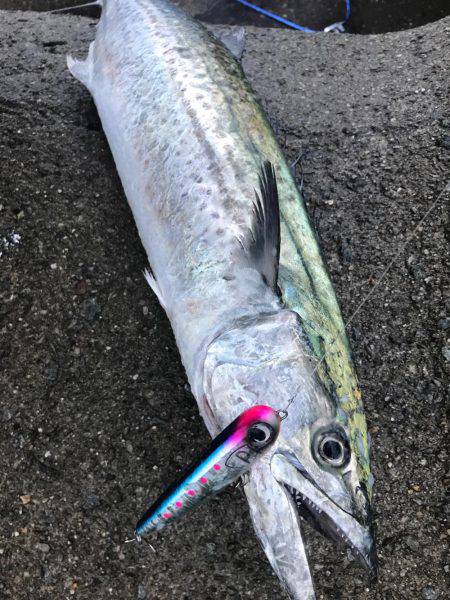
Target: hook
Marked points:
137	538
283	414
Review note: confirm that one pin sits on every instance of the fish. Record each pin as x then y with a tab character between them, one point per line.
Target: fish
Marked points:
236	265
229	456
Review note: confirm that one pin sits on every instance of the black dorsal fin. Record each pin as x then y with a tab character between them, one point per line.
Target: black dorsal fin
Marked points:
264	246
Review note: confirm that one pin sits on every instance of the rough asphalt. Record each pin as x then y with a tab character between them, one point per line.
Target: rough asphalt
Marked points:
95	413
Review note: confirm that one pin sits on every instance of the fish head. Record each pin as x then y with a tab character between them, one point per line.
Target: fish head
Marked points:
313	472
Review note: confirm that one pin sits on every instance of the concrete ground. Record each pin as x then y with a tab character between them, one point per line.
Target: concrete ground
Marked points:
95	413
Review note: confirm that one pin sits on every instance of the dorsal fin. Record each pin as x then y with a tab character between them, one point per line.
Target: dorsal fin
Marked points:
234	40
264	246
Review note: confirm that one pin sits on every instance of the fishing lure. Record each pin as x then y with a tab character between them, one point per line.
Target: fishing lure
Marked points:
229	456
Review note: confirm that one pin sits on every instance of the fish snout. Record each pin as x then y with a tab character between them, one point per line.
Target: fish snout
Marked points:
338	512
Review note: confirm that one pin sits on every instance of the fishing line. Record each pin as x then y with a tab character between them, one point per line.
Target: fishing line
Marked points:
299	161
383	275
396	256
339	26
86	4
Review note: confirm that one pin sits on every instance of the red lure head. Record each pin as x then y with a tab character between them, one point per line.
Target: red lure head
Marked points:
260	426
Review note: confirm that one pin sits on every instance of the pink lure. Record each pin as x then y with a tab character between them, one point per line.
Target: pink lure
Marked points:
228	457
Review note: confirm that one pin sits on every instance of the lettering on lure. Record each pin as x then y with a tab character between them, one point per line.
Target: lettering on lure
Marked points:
229	456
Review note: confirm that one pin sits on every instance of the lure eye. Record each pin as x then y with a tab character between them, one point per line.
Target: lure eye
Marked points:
260	435
332	448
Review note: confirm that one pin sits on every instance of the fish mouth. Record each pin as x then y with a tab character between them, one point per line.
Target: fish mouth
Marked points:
324	524
325	515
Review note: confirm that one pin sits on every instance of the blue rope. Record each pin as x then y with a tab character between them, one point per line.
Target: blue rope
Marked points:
266	13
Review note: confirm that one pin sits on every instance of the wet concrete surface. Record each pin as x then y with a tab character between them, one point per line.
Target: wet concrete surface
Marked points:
95	413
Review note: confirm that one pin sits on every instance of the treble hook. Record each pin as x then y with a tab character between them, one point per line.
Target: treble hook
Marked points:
137	538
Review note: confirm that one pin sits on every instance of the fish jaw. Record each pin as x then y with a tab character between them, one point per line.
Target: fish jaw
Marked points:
280	495
348	528
277	525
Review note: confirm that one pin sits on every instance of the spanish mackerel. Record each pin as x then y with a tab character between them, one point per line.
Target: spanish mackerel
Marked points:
236	266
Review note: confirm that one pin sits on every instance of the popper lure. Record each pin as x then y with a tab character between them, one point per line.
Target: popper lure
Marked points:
229	456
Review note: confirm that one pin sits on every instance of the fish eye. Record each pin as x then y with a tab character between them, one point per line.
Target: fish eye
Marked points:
332	449
260	435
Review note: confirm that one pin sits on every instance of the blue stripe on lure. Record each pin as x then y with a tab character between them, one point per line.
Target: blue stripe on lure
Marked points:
229	456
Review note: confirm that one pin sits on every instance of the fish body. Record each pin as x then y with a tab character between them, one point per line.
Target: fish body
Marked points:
237	268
